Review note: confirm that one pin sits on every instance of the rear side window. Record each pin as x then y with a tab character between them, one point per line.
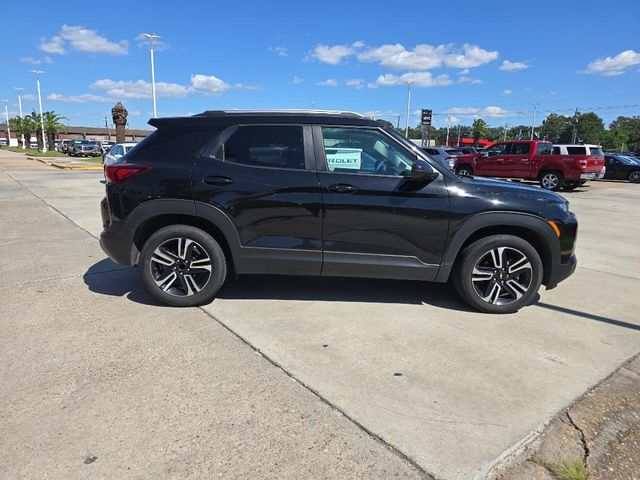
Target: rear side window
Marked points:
597	151
576	150
173	144
556	150
520	148
277	146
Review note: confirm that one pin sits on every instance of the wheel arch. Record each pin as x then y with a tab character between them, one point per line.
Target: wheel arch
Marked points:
529	227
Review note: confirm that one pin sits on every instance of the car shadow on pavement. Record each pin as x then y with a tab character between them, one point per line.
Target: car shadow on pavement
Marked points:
590	316
108	278
340	289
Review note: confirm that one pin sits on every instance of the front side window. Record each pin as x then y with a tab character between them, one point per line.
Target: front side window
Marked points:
275	146
499	149
520	148
364	151
556	150
544	149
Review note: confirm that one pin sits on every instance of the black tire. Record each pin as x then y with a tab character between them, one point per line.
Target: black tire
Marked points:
551	180
197	246
634	177
571	185
477	253
465	171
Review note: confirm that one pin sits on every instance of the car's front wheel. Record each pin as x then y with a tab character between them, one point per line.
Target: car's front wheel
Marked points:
551	180
465	171
182	266
498	274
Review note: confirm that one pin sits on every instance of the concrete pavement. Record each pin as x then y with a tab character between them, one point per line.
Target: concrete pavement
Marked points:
453	390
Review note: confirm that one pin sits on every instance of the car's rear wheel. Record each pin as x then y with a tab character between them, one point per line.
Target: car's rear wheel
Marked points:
182	266
634	177
571	184
465	171
498	274
551	180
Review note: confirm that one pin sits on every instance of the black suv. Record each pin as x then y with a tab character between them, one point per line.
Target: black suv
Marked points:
323	193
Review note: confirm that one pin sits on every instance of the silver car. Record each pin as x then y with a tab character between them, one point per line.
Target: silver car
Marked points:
446	156
117	152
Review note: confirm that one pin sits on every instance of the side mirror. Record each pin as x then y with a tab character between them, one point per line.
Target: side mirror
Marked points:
421	172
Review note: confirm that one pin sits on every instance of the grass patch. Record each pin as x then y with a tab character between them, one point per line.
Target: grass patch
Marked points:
570	470
91	159
34	153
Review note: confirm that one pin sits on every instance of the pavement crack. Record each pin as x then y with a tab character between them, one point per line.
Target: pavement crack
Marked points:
583	440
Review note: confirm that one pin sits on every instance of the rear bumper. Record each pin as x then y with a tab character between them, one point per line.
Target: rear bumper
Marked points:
115	240
561	271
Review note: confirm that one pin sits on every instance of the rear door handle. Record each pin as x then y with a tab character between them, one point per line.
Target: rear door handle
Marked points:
216	180
342	188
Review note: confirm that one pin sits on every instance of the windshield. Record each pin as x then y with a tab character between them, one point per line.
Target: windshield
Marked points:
627	160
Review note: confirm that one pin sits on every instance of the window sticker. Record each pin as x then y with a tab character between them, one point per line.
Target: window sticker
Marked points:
343	158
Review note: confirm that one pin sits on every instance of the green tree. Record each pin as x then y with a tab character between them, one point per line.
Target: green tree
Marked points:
590	128
631	127
53	126
555	127
479	129
386	123
615	140
16	125
34	118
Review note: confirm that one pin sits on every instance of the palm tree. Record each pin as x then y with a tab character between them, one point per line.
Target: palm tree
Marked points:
479	128
28	127
15	124
35	118
52	126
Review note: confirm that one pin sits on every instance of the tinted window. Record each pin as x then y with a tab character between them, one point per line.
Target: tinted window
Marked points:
172	143
499	149
453	152
556	150
431	151
576	150
545	149
364	151
596	151
520	148
266	146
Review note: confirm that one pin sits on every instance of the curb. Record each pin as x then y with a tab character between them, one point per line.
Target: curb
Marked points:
63	166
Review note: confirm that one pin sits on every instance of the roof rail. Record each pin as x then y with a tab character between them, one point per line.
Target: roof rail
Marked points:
291	111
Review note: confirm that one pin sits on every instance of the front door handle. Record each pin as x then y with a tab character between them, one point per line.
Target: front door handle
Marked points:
217	180
342	188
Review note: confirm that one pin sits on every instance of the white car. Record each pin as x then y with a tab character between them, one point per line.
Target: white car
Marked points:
117	151
446	156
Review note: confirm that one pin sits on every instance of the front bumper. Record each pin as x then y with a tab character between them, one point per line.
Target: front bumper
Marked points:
561	272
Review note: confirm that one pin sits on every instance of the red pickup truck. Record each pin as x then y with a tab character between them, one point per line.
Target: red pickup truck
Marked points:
532	160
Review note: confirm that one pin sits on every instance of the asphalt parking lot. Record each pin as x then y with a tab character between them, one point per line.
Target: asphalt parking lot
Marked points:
282	377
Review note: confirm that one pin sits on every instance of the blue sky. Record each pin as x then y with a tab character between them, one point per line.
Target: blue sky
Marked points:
490	59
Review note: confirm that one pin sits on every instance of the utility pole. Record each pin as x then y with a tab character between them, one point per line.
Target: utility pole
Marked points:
18	89
151	37
504	139
44	140
533	119
459	134
406	130
574	136
106	125
448	128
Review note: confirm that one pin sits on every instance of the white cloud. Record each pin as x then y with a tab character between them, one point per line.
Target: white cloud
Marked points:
425	57
297	80
333	55
36	61
507	92
508	66
208	84
612	66
466	71
355	83
84	98
464	79
418	79
490	111
136	113
139	89
330	82
55	45
280	51
28	97
82	39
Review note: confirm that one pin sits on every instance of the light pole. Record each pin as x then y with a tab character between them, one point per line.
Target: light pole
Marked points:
6	113
44	141
151	37
18	89
533	119
448	128
406	130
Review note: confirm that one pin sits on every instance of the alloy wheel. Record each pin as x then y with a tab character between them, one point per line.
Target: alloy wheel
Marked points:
502	275
634	177
550	181
180	267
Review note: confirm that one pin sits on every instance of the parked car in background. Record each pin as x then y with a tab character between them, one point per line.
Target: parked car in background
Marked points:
578	149
85	148
466	150
532	160
446	156
64	146
240	191
107	145
117	152
33	145
622	167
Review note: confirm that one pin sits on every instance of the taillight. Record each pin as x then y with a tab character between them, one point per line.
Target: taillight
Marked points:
119	173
